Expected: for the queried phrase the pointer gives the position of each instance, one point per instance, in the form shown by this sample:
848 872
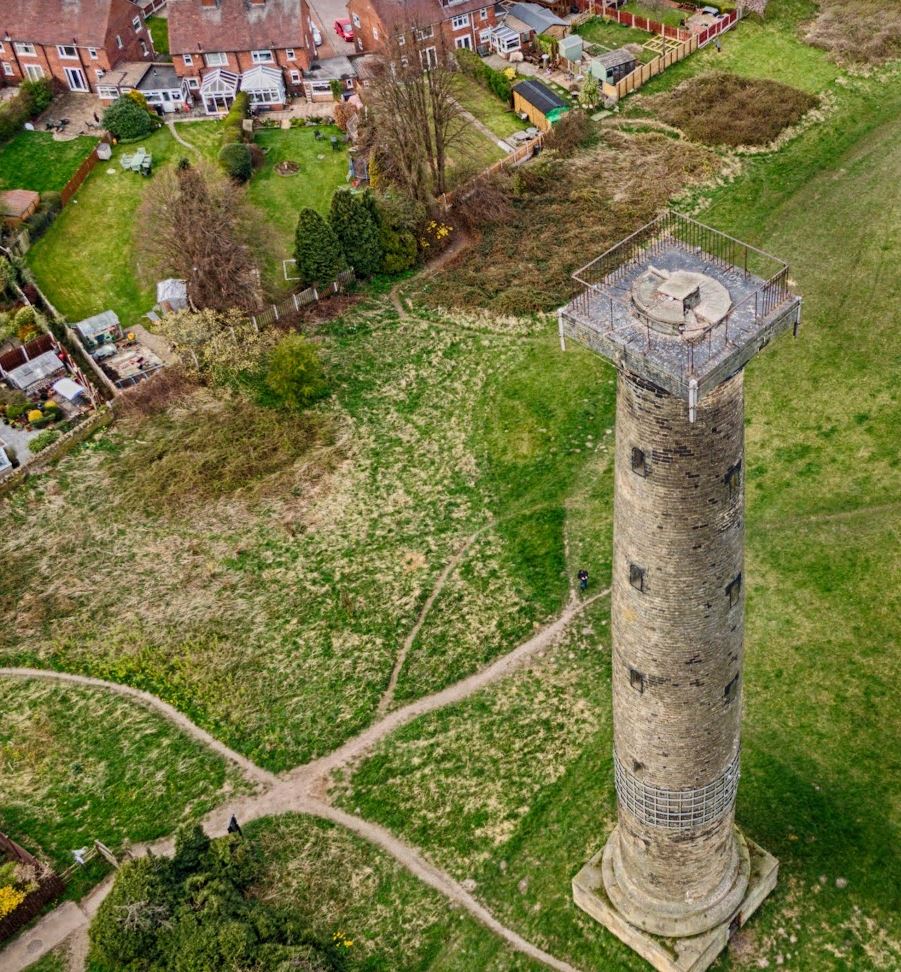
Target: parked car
344 29
317 35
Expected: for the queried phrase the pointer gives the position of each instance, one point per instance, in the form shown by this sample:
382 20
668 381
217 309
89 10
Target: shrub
233 124
40 92
30 100
574 131
42 219
7 274
336 88
236 161
257 155
317 251
474 67
354 220
15 410
44 440
400 222
724 109
295 372
126 119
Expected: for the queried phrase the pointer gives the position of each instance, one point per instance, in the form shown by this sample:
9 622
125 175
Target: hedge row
234 156
495 81
30 100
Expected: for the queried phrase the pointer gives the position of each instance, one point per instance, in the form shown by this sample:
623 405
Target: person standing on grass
583 580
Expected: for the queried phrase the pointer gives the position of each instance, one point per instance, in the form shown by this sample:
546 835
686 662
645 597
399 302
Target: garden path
301 790
174 130
505 147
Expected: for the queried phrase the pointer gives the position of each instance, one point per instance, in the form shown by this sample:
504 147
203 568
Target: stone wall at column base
694 954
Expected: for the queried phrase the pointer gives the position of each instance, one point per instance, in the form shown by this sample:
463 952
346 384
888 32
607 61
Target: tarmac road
325 13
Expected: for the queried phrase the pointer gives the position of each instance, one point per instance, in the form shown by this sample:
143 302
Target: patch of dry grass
863 32
724 109
565 215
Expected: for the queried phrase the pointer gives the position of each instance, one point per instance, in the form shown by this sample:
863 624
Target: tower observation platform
680 309
681 304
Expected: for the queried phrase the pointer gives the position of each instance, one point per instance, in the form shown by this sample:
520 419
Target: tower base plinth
694 954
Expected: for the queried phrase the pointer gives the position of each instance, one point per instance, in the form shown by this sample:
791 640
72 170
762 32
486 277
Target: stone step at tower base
694 954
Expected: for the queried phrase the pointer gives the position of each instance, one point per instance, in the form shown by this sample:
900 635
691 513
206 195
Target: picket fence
275 312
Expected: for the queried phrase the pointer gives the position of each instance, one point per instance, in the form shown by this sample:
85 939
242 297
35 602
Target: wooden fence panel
74 184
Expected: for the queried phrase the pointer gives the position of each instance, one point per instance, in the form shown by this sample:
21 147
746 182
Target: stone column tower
680 309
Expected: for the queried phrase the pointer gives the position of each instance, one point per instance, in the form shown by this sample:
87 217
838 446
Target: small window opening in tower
731 690
732 480
636 680
733 589
639 462
636 577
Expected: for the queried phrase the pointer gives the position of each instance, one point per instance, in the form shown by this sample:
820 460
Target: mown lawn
33 160
280 198
610 34
85 262
159 33
80 765
663 15
488 108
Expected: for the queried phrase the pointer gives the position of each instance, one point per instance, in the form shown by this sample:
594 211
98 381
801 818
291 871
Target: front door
76 79
168 107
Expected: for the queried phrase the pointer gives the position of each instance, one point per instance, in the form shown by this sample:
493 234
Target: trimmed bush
295 373
126 119
233 123
237 161
400 219
316 248
40 92
354 220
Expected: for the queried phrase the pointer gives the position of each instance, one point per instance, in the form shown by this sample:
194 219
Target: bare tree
197 225
414 120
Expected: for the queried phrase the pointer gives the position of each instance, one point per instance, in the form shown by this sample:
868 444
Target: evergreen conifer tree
354 220
317 250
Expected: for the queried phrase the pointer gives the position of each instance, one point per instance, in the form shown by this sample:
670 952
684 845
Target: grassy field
33 160
488 108
80 765
610 34
664 15
507 792
335 882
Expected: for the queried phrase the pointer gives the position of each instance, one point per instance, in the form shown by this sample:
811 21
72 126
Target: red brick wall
109 54
370 32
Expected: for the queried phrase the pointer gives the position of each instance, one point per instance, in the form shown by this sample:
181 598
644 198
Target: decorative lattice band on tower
680 309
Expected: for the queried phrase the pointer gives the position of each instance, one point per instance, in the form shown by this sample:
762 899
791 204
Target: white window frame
460 21
136 23
483 13
428 57
355 19
25 49
485 35
464 42
92 53
61 50
424 33
290 54
295 77
401 40
258 57
144 49
119 43
107 91
7 69
34 72
193 84
77 75
189 61
375 33
99 73
216 59
2 48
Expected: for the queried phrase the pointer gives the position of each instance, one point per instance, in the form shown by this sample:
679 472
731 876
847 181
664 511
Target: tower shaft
677 867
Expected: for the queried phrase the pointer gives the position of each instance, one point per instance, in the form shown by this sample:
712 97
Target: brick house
261 46
77 42
458 23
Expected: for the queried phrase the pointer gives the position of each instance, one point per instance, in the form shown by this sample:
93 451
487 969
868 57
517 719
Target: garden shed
539 103
171 295
16 205
265 85
100 329
616 65
218 90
